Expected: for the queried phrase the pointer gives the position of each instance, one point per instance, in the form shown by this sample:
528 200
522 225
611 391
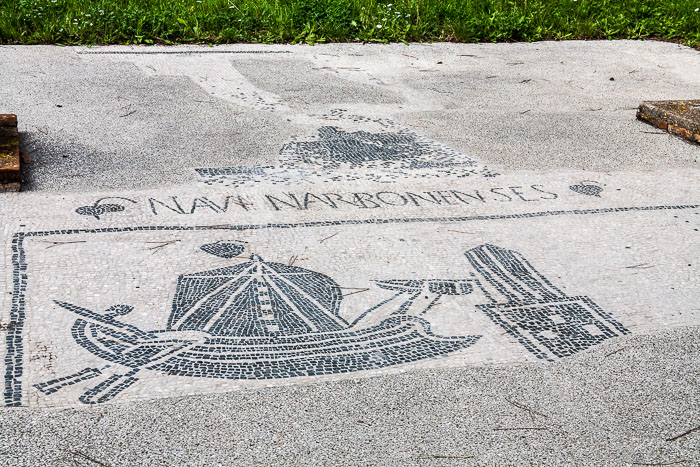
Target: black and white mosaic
247 318
541 317
352 147
98 208
588 188
267 320
258 320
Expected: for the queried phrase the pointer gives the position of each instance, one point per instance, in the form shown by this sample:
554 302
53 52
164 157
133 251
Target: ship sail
257 298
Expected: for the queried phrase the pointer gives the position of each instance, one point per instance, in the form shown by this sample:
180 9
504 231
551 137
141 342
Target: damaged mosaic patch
354 148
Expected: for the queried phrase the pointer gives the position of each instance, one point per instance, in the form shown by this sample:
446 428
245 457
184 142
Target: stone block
8 120
681 118
9 153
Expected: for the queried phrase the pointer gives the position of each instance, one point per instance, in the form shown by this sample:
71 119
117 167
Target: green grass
225 21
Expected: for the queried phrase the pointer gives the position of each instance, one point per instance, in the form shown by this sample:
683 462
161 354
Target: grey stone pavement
430 254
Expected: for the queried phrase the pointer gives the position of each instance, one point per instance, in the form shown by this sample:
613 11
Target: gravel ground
618 404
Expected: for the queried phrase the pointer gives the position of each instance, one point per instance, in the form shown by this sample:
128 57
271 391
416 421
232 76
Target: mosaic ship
262 320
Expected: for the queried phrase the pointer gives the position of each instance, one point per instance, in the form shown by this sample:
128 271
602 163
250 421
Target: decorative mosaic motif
333 148
257 320
354 148
587 188
224 248
99 209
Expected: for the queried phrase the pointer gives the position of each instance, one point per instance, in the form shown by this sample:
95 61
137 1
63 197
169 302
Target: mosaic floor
368 249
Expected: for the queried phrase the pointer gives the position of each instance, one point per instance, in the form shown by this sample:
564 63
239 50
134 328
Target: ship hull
395 341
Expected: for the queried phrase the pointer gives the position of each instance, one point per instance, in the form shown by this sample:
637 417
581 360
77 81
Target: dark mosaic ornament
14 356
334 147
587 188
224 248
266 320
257 298
98 209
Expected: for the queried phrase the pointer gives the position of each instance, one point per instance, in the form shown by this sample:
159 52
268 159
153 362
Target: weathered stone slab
681 118
9 153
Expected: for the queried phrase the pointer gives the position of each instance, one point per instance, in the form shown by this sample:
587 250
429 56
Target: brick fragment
7 132
9 153
8 120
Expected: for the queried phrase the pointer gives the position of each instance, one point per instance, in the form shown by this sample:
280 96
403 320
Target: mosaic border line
14 355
